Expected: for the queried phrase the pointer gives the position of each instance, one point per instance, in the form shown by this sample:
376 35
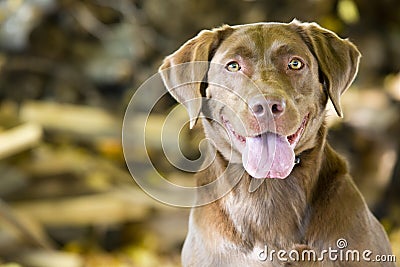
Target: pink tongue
268 156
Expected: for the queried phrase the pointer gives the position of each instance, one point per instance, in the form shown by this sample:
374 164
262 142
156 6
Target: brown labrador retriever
262 95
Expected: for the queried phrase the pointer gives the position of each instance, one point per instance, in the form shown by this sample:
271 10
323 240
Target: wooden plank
49 258
76 119
19 139
112 207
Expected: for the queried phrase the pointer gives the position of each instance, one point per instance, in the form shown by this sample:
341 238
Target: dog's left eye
295 64
233 66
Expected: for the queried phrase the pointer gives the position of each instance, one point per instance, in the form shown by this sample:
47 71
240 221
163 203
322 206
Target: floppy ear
337 58
183 81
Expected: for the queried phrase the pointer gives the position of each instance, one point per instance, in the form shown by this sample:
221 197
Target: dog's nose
263 106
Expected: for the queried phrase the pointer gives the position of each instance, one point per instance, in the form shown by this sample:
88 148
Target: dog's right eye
233 66
295 64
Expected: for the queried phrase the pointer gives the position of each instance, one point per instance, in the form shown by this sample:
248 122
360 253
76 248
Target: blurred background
67 71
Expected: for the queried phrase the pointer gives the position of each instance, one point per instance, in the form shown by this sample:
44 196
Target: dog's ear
184 71
337 58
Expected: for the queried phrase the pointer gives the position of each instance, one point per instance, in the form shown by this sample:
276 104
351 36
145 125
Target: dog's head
263 88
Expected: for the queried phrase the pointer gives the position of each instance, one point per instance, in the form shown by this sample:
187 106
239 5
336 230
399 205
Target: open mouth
293 139
267 155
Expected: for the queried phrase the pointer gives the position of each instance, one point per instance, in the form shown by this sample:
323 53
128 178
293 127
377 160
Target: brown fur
318 202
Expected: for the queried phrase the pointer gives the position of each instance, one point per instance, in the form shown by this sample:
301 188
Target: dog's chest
265 217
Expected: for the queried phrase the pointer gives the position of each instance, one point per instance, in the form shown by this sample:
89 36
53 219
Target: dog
261 91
